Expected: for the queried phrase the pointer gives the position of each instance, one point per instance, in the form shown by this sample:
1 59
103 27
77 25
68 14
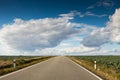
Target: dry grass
6 66
102 71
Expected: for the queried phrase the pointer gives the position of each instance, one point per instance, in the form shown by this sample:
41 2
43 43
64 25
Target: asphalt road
57 68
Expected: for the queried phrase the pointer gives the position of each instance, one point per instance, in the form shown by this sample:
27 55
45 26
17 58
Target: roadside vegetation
6 62
108 67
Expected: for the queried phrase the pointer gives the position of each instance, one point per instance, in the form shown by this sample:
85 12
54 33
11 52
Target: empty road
57 68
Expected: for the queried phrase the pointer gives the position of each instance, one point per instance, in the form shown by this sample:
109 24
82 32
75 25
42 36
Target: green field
107 61
107 66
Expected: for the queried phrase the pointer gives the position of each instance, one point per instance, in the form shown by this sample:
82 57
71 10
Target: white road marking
46 61
86 70
23 69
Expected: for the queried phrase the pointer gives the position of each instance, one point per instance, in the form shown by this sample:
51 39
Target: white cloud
80 49
65 50
76 38
96 38
65 45
77 13
104 35
103 3
103 51
31 35
72 13
95 15
41 35
36 34
114 26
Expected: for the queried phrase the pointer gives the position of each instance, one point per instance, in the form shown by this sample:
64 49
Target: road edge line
23 69
86 70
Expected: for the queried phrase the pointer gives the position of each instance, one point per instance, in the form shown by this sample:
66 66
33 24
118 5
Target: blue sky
87 19
34 9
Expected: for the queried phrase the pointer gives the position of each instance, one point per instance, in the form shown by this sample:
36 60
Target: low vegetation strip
6 62
107 67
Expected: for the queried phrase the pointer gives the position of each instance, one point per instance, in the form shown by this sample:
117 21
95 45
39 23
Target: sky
59 27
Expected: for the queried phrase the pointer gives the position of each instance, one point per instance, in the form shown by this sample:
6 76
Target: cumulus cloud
36 34
110 33
114 26
96 38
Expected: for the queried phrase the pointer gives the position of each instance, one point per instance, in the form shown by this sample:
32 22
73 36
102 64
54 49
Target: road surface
57 68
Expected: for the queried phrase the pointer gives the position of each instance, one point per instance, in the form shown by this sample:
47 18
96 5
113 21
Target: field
108 67
6 62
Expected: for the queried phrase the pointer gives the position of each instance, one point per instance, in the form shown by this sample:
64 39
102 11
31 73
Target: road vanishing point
56 68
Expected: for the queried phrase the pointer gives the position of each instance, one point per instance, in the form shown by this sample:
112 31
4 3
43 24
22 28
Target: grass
108 67
6 62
